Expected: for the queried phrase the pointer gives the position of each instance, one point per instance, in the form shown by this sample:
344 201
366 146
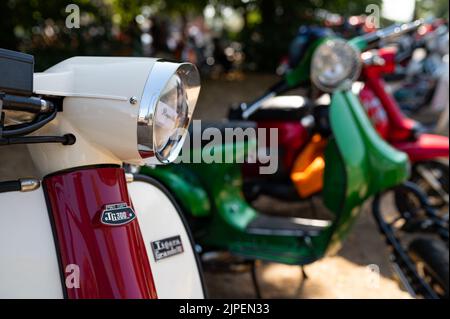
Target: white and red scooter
82 227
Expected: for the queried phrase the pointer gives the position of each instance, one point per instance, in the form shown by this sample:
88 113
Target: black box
16 73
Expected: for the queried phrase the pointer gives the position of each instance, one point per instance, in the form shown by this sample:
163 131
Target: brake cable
46 111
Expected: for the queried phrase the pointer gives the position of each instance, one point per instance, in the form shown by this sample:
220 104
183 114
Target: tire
432 260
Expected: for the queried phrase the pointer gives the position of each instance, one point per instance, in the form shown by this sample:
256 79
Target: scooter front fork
431 179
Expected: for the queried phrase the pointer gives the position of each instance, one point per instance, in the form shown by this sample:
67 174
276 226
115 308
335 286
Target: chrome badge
117 214
166 248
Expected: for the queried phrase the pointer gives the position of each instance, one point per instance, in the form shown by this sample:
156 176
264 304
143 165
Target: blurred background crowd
220 36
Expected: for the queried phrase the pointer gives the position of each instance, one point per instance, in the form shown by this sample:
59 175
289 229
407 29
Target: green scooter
358 165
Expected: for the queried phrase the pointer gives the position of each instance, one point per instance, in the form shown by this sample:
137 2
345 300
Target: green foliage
38 27
437 8
109 27
267 41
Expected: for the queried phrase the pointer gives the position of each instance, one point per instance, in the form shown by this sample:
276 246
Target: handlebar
279 88
26 104
45 112
392 32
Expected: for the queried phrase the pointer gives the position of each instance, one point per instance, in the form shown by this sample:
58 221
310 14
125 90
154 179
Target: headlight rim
157 81
349 79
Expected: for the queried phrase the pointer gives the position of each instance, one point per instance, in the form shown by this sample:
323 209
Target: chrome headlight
335 65
169 99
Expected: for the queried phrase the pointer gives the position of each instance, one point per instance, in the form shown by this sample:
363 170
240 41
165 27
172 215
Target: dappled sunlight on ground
333 277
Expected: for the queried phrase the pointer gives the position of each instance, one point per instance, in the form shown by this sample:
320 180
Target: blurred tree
436 8
271 24
38 27
109 26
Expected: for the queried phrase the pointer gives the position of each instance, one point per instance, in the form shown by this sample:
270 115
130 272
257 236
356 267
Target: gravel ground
345 275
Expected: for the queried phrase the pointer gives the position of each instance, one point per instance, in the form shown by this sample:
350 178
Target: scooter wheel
432 261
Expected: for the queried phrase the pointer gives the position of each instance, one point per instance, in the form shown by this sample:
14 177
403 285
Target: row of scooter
90 226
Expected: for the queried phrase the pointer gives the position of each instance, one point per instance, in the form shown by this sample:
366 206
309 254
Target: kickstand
255 280
313 207
304 274
302 280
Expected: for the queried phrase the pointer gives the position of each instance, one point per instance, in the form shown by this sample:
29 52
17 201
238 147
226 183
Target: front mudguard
359 163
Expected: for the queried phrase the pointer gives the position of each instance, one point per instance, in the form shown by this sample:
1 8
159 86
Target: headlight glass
166 112
335 65
171 115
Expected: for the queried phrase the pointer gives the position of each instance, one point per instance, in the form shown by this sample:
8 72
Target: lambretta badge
117 214
166 248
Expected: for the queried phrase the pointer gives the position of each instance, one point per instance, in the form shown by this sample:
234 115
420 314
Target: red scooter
424 150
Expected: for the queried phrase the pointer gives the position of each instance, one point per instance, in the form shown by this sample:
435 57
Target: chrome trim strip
83 95
29 184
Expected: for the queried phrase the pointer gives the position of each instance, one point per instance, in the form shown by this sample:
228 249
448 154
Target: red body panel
400 127
292 137
112 260
425 147
375 111
396 128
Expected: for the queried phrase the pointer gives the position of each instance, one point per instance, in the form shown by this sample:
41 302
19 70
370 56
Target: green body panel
359 163
359 42
300 74
190 194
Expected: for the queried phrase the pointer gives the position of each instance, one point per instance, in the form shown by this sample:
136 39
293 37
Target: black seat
282 226
283 108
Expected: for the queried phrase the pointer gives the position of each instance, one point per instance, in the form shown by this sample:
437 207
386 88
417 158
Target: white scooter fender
168 242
